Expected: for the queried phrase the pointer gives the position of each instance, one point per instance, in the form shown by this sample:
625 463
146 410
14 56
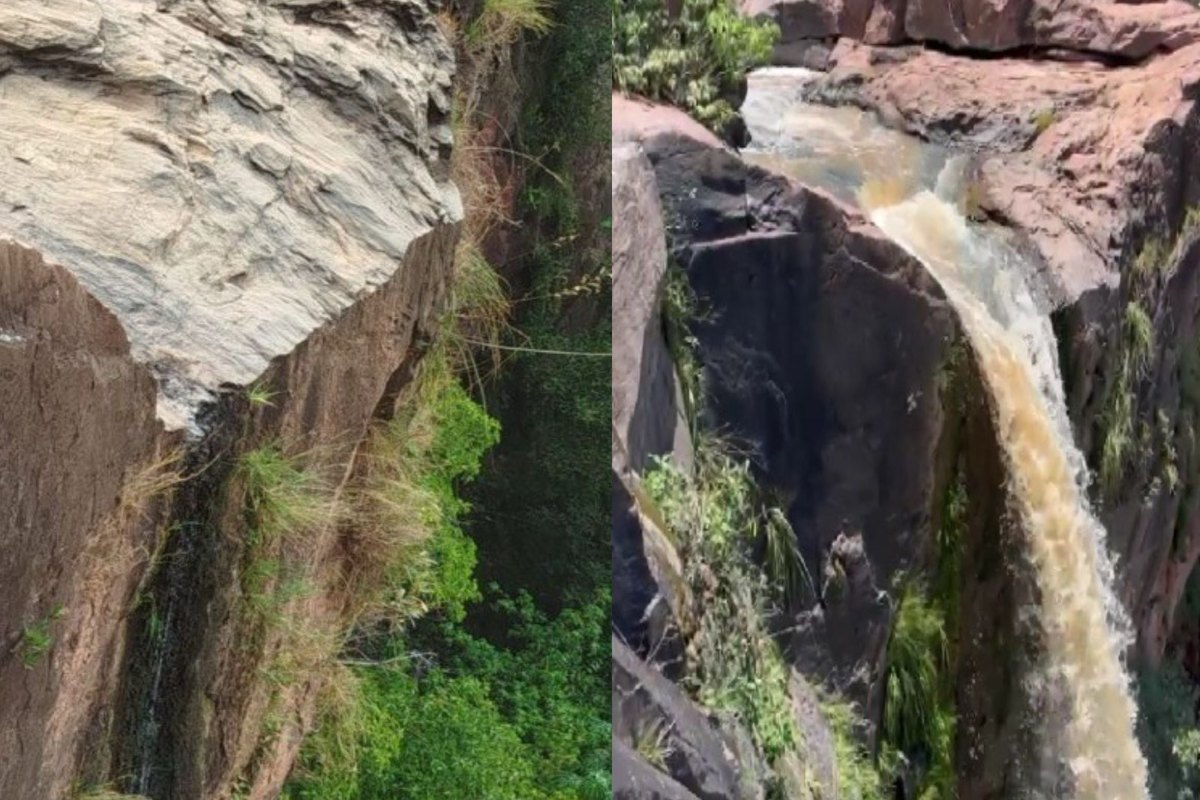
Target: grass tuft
651 741
783 562
1137 345
1153 258
154 479
36 638
260 396
502 21
282 499
1043 119
857 778
915 719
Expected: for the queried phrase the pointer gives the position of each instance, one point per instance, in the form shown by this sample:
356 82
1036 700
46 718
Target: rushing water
912 192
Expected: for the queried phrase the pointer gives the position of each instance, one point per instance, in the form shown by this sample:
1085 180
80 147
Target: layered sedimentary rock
197 196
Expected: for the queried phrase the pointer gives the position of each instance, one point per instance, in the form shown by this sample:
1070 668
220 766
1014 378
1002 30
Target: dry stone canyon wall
197 196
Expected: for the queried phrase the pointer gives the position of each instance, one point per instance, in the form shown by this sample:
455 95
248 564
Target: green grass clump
918 712
694 60
1153 258
260 396
281 498
36 638
917 654
650 740
783 562
679 310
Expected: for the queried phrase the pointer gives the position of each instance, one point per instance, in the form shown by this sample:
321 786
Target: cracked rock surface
224 176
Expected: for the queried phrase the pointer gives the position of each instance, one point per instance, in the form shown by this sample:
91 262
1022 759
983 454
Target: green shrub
464 432
527 721
695 61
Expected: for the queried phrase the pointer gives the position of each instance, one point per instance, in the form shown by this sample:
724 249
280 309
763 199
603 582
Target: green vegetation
260 396
501 22
650 740
782 561
679 309
545 488
918 711
857 778
1136 346
695 60
733 664
1153 258
36 638
443 690
486 722
1043 119
282 499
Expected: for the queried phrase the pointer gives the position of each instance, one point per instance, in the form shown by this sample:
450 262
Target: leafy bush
524 722
696 60
464 432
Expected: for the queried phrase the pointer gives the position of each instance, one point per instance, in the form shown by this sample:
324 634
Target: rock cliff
198 196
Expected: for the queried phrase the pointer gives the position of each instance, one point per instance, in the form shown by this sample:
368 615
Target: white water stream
911 192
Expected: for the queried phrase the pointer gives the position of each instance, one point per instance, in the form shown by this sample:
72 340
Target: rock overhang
225 177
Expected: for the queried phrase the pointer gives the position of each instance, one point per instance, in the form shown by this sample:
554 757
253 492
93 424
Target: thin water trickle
911 192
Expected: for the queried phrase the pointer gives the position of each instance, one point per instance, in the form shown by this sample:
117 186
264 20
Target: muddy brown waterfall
913 193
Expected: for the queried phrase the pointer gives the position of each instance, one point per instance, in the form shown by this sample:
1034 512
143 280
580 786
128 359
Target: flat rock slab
225 176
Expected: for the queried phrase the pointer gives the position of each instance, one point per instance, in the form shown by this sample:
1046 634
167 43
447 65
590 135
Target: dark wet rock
821 342
651 710
634 778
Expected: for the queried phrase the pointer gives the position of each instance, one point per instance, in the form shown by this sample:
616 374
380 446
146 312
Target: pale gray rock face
225 176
